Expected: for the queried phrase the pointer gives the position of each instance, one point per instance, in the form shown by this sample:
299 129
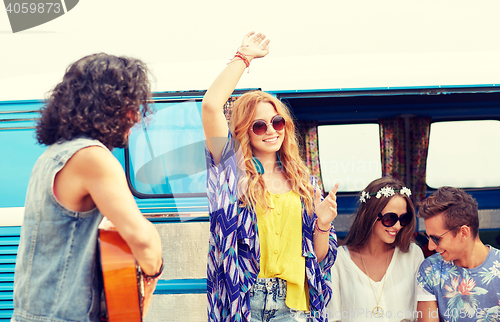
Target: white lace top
353 298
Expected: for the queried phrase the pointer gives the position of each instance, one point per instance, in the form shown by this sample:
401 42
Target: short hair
458 208
366 217
100 97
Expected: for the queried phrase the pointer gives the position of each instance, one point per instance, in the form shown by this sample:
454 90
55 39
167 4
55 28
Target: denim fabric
55 275
267 302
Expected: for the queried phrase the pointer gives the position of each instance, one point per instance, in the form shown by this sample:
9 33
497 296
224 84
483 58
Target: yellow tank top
280 235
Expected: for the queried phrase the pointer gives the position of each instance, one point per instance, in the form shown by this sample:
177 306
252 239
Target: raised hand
326 210
255 45
214 122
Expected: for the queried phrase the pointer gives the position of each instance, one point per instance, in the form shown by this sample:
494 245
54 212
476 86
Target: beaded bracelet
321 230
154 277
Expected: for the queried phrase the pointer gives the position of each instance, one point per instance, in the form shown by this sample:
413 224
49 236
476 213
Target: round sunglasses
259 127
390 219
436 239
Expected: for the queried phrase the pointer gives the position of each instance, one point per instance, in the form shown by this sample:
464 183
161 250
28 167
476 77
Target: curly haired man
76 182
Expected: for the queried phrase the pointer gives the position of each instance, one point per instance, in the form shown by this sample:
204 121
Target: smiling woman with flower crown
374 275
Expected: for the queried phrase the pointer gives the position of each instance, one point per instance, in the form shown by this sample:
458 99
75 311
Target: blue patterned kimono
234 250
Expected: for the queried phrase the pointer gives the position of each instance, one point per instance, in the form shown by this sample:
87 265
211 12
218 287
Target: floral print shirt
463 294
234 250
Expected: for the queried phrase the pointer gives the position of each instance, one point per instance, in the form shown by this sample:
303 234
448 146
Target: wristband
242 57
321 230
156 276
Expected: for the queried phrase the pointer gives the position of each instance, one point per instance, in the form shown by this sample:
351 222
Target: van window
166 151
464 154
350 155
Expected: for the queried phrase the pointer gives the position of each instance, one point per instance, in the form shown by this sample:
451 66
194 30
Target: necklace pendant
378 312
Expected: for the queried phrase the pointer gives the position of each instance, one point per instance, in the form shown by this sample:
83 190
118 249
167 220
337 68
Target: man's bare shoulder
87 169
93 152
94 158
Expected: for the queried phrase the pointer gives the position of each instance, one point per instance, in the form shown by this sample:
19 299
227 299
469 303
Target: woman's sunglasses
259 127
390 219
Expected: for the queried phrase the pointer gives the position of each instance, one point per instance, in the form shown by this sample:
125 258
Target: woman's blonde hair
252 189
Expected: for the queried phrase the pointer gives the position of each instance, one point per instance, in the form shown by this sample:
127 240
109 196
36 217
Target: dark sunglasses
390 219
259 127
436 239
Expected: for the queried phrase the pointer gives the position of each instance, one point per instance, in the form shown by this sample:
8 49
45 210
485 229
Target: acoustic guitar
123 281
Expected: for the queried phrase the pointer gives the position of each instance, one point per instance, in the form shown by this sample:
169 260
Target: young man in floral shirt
461 282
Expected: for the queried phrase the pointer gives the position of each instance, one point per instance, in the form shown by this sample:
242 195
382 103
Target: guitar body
122 279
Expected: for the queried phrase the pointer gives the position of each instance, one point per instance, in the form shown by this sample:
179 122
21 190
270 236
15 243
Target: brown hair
458 209
252 186
94 99
366 217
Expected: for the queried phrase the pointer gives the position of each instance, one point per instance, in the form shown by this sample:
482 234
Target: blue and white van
166 171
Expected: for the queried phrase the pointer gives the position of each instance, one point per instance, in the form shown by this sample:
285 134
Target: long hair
252 188
100 97
366 217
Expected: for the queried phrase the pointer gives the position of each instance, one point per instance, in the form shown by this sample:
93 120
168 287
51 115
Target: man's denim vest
56 277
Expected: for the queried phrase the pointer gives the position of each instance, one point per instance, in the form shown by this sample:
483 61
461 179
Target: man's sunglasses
390 219
436 239
259 127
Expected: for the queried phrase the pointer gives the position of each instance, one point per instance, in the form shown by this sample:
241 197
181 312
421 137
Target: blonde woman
375 273
272 242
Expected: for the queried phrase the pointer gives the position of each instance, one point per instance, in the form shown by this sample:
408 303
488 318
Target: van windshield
166 150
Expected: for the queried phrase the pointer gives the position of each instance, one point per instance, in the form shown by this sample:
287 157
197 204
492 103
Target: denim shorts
267 302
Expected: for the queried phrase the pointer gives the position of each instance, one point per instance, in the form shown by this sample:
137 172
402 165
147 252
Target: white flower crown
385 191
